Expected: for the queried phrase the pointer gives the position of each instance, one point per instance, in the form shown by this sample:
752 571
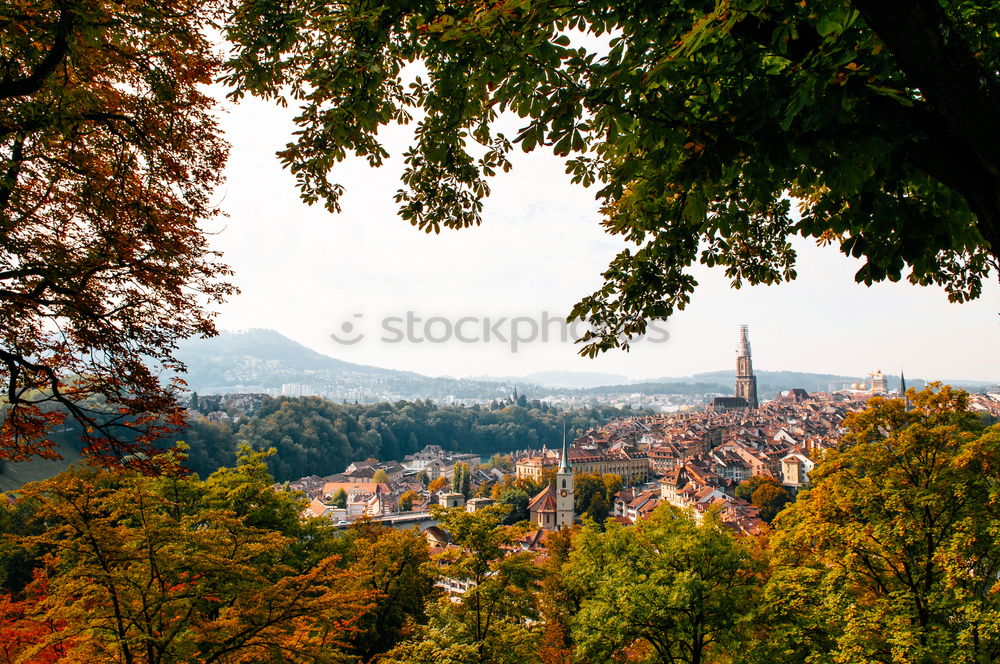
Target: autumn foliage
27 636
889 556
136 569
109 158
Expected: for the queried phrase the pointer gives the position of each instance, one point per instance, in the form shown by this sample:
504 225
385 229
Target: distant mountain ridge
265 360
260 360
209 359
575 379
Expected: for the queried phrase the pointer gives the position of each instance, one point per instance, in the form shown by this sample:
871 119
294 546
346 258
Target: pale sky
304 272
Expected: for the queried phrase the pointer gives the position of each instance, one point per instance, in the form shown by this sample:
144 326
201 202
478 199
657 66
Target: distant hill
575 379
264 360
261 352
770 383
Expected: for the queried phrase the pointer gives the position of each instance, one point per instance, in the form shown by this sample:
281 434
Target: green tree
17 562
392 565
598 508
501 461
770 498
556 603
516 501
593 494
694 120
460 480
746 488
316 436
612 484
339 499
668 590
765 493
893 552
493 621
247 491
380 477
585 487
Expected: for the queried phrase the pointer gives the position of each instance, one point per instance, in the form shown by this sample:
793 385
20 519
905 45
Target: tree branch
929 49
32 83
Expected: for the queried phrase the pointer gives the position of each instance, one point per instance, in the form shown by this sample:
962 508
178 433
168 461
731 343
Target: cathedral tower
564 488
746 382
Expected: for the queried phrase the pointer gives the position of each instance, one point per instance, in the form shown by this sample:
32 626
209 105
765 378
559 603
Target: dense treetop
109 158
316 436
695 121
890 556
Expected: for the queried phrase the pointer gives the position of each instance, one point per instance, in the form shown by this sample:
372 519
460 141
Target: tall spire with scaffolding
746 382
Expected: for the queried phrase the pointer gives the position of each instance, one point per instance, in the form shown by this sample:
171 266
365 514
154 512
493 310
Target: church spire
746 382
562 490
743 349
564 461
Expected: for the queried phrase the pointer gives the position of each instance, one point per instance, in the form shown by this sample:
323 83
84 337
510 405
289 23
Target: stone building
746 382
552 508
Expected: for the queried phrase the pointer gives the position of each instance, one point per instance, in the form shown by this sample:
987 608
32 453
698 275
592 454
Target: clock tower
564 489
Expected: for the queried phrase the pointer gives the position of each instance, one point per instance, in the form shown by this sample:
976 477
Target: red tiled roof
545 501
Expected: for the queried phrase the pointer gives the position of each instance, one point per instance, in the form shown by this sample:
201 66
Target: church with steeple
552 508
746 382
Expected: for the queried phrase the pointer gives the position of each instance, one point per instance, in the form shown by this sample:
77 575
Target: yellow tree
406 501
893 555
437 484
147 571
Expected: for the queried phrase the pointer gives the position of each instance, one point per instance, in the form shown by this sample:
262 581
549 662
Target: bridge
400 520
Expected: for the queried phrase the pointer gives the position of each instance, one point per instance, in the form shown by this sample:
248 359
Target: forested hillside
316 436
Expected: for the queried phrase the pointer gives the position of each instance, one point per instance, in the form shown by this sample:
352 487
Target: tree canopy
679 589
313 435
134 569
890 556
702 124
493 620
109 157
893 554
